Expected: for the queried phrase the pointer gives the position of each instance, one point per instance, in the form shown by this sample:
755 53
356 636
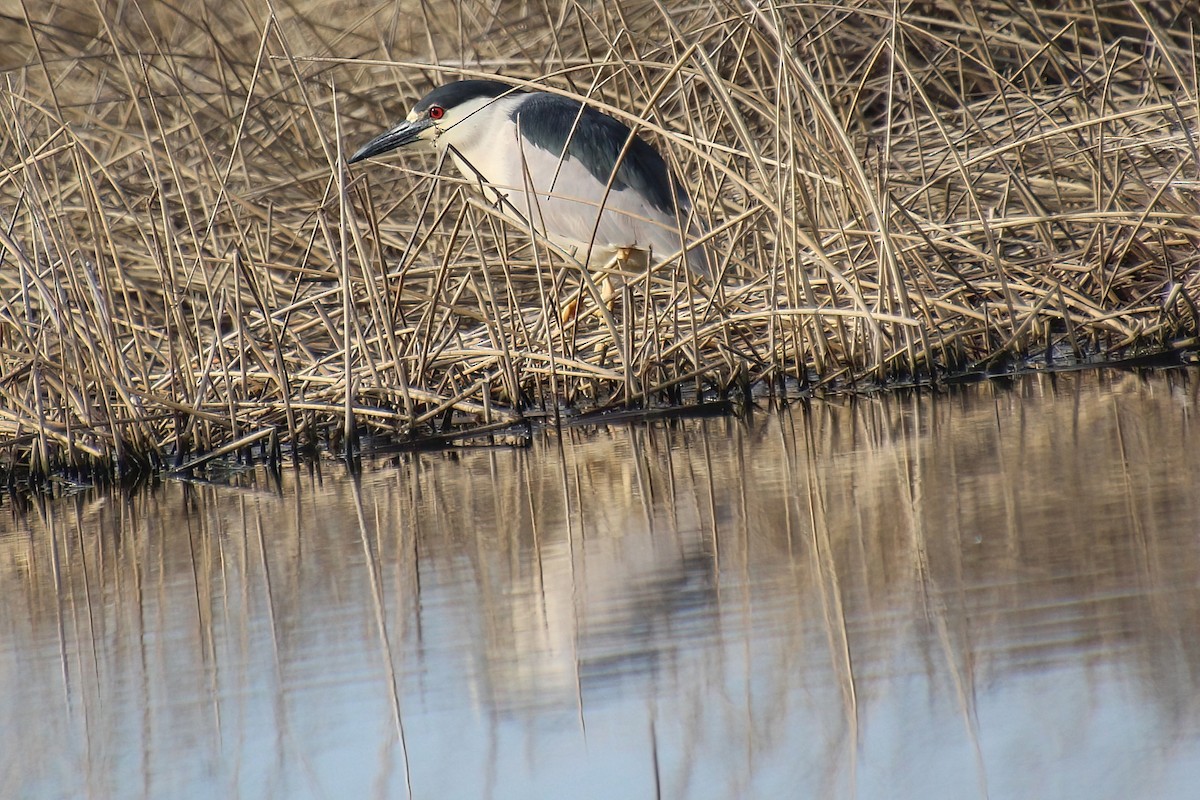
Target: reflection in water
991 593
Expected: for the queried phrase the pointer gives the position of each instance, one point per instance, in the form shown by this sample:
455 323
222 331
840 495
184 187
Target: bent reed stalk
895 193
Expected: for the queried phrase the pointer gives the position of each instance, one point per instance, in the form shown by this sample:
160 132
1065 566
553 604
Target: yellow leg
610 280
570 309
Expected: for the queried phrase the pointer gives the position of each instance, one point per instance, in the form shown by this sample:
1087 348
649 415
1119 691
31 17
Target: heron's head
443 117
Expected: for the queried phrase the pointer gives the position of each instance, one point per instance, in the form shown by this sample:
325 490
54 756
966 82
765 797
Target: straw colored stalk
894 193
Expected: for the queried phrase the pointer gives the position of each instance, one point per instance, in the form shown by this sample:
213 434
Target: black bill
404 133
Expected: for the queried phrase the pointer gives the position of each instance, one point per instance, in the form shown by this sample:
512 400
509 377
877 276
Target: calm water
989 594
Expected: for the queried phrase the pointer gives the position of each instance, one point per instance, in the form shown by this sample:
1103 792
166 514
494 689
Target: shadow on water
986 594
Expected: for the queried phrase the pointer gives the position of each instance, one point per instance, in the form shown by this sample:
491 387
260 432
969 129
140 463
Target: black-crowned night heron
581 178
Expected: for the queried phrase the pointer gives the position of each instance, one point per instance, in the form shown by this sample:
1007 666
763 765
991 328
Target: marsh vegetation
896 193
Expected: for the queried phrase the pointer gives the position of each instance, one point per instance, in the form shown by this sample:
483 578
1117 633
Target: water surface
991 593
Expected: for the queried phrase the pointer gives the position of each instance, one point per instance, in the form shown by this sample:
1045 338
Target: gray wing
641 207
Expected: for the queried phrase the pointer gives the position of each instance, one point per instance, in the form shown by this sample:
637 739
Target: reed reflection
895 595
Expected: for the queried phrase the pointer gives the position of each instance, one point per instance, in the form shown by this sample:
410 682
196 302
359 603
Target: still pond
991 592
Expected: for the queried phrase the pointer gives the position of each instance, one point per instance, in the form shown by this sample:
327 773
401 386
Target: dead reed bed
895 192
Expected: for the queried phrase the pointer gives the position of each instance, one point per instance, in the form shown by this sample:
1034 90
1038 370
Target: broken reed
183 265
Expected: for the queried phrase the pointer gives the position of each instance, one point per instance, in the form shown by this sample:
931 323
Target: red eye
436 112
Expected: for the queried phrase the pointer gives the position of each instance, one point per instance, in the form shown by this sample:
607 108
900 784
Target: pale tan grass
183 265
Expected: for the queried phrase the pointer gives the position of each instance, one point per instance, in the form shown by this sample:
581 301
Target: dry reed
896 192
